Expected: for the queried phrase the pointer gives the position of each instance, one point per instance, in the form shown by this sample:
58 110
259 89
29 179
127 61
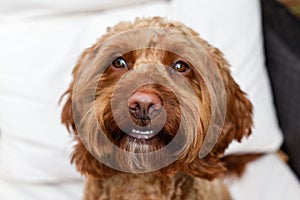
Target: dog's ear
237 124
67 111
238 118
85 162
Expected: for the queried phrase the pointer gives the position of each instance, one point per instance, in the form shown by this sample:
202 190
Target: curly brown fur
151 187
189 177
236 164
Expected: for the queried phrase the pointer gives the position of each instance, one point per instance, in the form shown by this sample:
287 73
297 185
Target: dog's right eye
119 63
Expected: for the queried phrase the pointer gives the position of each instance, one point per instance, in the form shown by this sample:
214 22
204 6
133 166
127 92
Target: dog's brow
147 57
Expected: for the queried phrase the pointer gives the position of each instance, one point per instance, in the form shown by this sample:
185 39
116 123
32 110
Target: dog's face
142 108
139 112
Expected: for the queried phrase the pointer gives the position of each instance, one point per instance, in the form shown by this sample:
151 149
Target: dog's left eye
181 67
119 63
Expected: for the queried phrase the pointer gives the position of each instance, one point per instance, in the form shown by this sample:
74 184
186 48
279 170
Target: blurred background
292 5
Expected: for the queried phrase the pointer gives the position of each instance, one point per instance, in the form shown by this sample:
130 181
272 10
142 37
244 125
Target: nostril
155 107
154 110
135 106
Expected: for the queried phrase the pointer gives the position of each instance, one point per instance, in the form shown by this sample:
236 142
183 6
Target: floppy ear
67 111
238 122
238 119
85 162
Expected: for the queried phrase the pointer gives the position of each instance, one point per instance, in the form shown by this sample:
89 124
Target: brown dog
153 108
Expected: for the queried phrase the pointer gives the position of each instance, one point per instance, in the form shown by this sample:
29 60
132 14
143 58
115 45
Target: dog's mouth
143 141
142 134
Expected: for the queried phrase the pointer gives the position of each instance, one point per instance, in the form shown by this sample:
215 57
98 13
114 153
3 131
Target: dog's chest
151 187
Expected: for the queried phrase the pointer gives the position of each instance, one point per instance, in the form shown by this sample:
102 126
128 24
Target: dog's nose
144 106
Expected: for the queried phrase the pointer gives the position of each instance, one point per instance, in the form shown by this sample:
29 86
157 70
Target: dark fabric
282 49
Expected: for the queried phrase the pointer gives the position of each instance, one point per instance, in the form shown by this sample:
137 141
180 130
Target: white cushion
38 54
267 178
63 6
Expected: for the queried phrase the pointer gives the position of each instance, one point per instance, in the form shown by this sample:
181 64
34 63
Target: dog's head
151 95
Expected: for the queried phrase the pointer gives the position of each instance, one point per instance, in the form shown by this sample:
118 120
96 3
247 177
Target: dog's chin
143 143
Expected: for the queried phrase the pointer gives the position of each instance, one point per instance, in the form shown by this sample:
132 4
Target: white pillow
37 57
63 6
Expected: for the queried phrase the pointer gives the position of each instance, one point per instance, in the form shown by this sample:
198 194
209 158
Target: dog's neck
149 187
136 186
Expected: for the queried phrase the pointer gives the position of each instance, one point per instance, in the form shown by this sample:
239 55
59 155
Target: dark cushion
282 49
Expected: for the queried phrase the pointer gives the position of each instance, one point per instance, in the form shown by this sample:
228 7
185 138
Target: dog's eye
119 63
180 67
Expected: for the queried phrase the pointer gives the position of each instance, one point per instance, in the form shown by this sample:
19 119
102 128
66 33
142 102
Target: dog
152 107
